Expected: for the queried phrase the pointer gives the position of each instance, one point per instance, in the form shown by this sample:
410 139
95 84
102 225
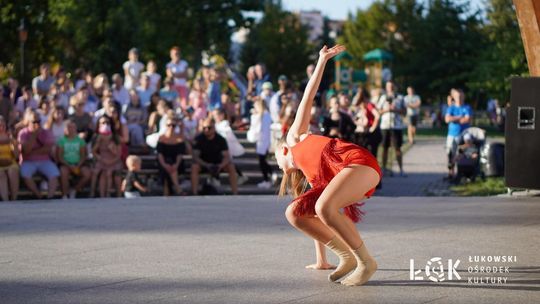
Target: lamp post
23 35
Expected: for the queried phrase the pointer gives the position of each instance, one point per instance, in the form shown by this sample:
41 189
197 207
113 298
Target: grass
491 132
491 186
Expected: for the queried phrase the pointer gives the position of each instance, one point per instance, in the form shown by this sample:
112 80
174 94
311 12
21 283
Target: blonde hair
293 182
260 105
132 160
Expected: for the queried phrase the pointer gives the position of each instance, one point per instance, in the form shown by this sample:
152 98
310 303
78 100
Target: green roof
343 56
377 55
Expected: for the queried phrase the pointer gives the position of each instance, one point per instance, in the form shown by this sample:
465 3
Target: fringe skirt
336 155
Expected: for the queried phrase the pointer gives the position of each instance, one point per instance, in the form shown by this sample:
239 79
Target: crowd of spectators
77 131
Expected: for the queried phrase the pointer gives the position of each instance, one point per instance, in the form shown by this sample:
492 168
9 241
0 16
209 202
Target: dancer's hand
323 266
327 53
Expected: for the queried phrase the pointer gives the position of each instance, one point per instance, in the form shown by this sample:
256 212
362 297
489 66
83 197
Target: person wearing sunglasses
35 146
171 147
211 154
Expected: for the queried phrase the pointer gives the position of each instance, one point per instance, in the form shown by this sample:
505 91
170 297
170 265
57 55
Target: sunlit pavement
230 249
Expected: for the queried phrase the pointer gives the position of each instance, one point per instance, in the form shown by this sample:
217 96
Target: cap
282 77
267 85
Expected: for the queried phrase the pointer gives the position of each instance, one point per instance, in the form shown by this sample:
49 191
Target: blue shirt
168 95
454 127
214 95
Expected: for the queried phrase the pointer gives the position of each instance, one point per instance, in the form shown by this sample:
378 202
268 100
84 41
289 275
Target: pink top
43 138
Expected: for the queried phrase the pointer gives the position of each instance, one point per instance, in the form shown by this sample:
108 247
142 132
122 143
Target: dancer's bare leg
310 225
322 262
347 187
321 233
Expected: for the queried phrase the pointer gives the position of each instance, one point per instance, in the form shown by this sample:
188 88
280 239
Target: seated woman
106 150
170 147
9 169
71 156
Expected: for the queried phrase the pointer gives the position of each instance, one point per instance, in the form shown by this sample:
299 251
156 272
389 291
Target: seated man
211 154
36 144
71 155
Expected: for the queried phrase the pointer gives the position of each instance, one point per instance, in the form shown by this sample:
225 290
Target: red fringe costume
320 158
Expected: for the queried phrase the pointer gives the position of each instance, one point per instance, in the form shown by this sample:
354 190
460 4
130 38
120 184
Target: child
72 159
132 185
466 159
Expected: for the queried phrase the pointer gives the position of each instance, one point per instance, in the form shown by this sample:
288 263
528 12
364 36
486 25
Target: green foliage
440 44
491 186
503 56
97 34
280 41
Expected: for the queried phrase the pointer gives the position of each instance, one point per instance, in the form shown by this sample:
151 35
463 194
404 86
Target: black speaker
522 132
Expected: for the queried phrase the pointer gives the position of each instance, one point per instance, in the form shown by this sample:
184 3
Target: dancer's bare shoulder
294 139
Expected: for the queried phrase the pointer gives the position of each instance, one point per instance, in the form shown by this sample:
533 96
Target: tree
447 47
97 34
434 47
280 41
503 55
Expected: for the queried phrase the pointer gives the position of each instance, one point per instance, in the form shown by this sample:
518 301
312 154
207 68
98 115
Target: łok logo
435 270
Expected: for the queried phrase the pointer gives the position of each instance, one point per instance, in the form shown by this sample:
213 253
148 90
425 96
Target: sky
338 9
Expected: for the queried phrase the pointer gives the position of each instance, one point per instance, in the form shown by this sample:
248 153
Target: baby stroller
470 143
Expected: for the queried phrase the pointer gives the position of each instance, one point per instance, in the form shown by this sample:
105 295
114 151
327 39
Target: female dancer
340 175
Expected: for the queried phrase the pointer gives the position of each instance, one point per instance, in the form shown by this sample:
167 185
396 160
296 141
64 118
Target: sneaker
274 178
242 179
264 185
402 174
43 186
216 182
73 194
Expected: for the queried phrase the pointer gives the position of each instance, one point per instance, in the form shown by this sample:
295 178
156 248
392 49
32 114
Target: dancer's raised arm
303 114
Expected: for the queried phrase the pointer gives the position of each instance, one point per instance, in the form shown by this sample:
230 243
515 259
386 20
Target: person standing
42 83
132 69
177 69
259 133
392 107
155 78
458 117
412 102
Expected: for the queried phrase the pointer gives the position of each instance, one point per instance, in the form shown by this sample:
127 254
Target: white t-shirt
58 130
391 120
154 80
274 107
134 71
410 100
179 67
